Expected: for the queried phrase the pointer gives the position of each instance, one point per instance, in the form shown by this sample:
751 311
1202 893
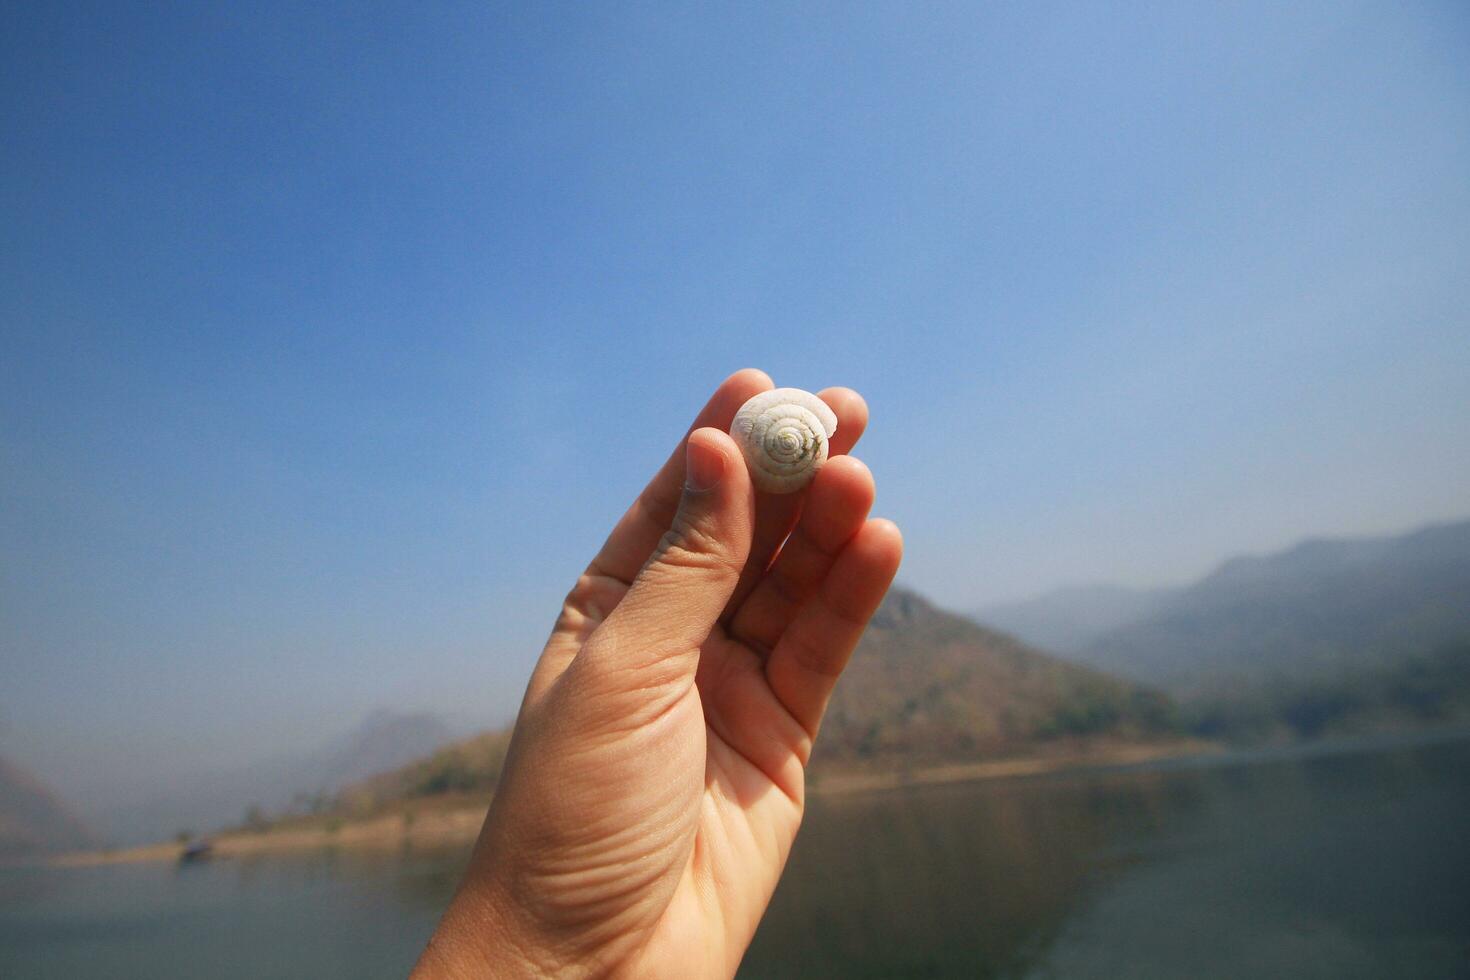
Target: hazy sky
336 336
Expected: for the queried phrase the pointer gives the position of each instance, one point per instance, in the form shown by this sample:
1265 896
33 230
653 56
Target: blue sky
335 338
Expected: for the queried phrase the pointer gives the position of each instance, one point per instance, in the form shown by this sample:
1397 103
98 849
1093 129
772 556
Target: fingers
836 507
638 532
806 662
602 586
852 418
653 636
777 514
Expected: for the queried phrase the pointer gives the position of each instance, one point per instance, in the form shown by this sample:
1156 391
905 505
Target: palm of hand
655 784
681 836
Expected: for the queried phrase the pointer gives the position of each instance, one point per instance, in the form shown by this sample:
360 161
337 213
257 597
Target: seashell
783 435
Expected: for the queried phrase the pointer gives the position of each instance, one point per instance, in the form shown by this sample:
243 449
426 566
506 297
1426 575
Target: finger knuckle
686 545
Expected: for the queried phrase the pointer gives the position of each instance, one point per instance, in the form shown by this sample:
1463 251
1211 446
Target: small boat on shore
199 850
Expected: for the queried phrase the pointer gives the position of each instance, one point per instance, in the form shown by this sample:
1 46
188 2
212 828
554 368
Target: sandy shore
446 822
430 826
1100 757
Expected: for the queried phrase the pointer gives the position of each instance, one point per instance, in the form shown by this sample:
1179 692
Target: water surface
1351 863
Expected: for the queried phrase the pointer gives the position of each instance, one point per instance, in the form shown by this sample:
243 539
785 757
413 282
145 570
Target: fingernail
703 467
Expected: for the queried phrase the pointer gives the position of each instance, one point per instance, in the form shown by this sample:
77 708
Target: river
1349 861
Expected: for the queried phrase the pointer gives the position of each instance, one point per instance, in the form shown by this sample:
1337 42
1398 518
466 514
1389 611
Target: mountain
384 740
1068 619
1337 632
1418 690
204 801
470 765
923 686
32 818
1320 606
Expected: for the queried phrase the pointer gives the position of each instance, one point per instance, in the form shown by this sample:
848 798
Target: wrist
480 936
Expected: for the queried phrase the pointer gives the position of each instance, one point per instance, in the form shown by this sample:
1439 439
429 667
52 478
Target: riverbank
446 821
432 823
1082 758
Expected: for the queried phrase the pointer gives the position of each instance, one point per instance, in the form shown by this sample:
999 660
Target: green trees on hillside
1431 689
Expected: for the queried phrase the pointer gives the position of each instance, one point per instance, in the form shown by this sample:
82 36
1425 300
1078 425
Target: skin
655 780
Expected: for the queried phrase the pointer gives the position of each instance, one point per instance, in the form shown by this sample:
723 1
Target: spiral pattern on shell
783 435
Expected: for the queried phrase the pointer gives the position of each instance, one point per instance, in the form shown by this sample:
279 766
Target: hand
654 783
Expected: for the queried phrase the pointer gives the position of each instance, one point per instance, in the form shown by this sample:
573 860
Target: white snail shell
783 435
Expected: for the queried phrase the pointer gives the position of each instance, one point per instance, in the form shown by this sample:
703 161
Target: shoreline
1091 759
457 821
429 826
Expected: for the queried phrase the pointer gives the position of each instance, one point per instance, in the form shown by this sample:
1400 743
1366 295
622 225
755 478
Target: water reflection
1337 867
1350 865
419 878
967 880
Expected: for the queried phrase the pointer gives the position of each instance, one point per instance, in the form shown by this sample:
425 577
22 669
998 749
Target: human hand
655 779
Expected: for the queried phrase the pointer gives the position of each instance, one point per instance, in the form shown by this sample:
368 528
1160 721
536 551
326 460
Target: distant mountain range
1330 634
1068 619
1326 637
923 686
383 740
203 802
32 817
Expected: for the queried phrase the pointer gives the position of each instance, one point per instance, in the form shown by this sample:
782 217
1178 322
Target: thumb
669 610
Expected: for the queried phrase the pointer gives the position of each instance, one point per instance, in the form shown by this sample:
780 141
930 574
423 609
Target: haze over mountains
1329 631
924 686
33 818
1066 620
1328 636
201 802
